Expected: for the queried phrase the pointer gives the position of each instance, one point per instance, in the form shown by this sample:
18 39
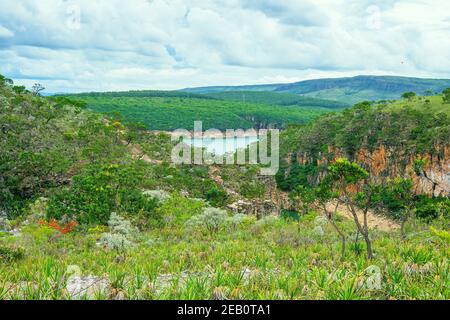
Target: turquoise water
220 146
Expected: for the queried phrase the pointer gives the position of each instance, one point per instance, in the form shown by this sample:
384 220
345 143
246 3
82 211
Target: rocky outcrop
431 177
258 208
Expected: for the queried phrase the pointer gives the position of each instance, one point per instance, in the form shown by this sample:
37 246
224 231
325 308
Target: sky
109 45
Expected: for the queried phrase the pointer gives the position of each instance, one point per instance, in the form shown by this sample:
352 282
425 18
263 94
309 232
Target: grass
276 260
432 104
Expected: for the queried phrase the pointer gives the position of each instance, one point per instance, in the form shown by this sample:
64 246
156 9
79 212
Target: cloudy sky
84 45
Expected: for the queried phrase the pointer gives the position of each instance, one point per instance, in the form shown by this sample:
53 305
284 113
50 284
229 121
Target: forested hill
406 138
143 94
169 110
347 90
277 98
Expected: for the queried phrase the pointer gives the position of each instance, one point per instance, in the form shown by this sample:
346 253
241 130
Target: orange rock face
433 179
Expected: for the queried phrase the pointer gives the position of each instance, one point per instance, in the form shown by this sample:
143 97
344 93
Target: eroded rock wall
432 179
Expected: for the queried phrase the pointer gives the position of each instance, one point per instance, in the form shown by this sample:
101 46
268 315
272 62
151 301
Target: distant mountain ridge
347 90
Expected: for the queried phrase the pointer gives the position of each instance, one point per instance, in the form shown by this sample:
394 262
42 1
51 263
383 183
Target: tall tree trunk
342 235
364 230
366 236
330 216
369 246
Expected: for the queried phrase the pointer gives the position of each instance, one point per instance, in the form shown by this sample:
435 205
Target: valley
91 206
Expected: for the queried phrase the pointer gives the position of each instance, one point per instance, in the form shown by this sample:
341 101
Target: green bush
252 190
432 208
121 235
177 209
8 254
216 197
210 221
100 190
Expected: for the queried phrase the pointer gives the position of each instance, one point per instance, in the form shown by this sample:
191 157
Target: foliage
412 130
100 189
275 98
63 229
210 221
299 174
42 140
170 113
240 220
442 234
216 197
280 261
121 235
160 195
446 95
302 198
5 224
11 254
398 198
177 209
409 95
429 209
343 175
346 173
252 190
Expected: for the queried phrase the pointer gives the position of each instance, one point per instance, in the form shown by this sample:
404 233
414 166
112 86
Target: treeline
279 99
145 94
170 113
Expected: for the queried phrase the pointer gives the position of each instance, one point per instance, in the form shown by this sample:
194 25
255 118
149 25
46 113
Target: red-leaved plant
63 229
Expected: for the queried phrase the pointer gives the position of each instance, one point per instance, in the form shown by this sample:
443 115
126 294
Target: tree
446 95
302 197
409 95
324 195
319 198
133 132
398 197
19 89
345 175
37 89
5 81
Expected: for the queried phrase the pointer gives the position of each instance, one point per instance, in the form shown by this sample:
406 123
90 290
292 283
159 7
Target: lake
221 145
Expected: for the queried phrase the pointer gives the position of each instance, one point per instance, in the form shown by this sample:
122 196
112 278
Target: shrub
429 209
240 220
63 229
11 254
409 95
101 189
265 224
160 195
38 209
210 221
5 224
177 209
216 197
446 95
121 235
252 190
290 215
441 234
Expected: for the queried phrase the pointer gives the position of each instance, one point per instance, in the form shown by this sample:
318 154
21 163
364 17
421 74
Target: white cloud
162 44
5 33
